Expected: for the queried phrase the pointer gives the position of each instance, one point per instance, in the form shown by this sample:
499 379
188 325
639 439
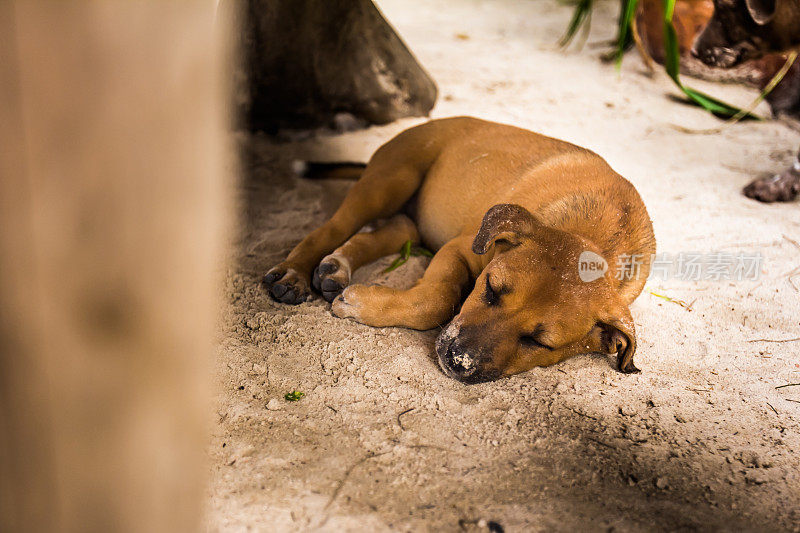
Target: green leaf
710 103
293 396
419 250
672 60
582 15
672 64
396 263
624 33
405 251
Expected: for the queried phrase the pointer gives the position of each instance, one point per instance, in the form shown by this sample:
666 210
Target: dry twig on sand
399 422
775 340
347 473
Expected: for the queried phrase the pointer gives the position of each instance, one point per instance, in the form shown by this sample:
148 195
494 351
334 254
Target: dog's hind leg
391 178
387 184
431 302
334 272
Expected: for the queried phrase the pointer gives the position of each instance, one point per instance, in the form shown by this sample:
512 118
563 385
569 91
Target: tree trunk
307 60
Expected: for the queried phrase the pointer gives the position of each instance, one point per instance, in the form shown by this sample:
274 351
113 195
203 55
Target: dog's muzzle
458 360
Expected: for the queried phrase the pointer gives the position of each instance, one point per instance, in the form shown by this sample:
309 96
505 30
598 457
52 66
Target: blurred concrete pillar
112 210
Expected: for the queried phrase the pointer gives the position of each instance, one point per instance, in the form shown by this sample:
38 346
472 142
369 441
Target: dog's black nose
462 363
463 359
457 362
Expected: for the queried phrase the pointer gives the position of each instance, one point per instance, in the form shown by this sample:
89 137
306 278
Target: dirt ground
702 439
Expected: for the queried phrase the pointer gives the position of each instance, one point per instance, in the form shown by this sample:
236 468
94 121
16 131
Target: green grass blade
419 250
580 16
718 107
672 59
672 63
405 251
396 263
624 35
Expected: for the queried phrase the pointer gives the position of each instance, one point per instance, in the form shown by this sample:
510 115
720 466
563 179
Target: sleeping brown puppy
517 220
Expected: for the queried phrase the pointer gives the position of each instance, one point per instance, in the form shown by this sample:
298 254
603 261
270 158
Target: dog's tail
328 171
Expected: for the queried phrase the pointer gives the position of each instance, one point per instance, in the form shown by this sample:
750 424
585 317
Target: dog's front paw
779 188
347 304
331 276
286 285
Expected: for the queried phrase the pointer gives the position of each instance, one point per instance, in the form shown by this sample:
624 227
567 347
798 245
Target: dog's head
531 306
745 29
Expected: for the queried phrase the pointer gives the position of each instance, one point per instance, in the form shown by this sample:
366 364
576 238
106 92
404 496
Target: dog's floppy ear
506 223
761 11
617 335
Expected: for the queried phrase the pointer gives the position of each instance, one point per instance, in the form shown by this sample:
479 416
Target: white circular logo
591 266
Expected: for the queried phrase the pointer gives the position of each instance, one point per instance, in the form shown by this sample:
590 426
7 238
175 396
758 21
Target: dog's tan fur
506 210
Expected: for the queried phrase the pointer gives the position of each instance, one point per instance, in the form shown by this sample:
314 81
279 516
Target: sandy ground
382 441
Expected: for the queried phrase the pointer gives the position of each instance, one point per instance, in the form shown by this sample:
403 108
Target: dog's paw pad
331 277
779 188
285 285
